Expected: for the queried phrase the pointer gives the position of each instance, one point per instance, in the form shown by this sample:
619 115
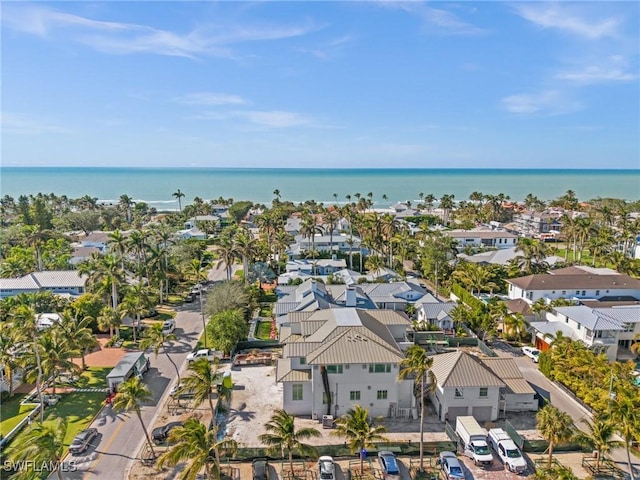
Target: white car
168 327
532 353
210 355
326 468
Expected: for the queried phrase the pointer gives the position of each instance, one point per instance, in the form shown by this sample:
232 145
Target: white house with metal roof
464 386
482 238
61 282
337 358
517 394
601 329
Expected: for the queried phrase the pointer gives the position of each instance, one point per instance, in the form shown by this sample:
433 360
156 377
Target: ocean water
156 185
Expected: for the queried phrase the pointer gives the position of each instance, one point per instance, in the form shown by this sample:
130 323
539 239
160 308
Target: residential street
567 404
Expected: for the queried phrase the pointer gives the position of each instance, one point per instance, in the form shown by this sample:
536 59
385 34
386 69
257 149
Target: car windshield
390 462
455 470
513 454
482 450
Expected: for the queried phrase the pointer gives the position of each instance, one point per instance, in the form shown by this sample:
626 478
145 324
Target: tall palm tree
179 196
42 443
554 426
79 335
417 364
131 394
109 319
284 436
202 382
25 315
245 245
625 414
156 339
599 436
8 360
136 301
193 443
359 430
56 353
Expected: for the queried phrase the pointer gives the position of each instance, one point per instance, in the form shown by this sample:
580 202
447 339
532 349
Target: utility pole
204 325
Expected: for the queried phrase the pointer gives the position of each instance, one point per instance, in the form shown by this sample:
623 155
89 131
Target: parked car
160 434
326 468
260 469
168 327
180 392
450 465
83 440
207 353
189 298
532 353
389 465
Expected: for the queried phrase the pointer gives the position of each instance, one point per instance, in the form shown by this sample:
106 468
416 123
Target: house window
577 292
334 368
296 391
564 292
354 395
459 393
484 391
380 368
584 293
381 395
303 360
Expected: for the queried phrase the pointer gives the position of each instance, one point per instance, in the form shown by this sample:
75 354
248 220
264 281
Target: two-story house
575 283
464 386
482 238
334 359
604 330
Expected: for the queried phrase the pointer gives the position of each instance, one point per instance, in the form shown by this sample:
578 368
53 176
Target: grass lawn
94 377
13 413
263 330
78 408
266 311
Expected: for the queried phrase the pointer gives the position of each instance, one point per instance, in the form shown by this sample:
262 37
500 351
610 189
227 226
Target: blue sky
321 84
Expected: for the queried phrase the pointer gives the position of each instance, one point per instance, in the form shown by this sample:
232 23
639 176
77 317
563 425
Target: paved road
567 404
120 435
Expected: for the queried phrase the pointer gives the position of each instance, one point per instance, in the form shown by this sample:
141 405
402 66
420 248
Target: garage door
482 414
455 412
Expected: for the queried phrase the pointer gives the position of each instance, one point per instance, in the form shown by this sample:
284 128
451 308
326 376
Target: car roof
447 454
386 453
325 458
85 433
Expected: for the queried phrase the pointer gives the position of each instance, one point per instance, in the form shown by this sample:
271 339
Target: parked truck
507 450
474 440
133 363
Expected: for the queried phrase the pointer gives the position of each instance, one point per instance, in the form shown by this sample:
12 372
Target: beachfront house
479 238
336 358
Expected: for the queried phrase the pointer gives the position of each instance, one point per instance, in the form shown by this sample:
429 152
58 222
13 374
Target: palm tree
156 339
8 360
41 444
56 353
599 436
193 443
136 301
359 430
284 436
245 245
178 195
202 382
109 319
554 426
129 397
417 364
625 415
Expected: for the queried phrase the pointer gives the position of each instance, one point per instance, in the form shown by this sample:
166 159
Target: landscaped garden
263 330
13 413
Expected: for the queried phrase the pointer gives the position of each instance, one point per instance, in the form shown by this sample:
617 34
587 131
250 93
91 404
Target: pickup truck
507 450
207 353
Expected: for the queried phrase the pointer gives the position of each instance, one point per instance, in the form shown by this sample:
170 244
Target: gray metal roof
507 370
550 328
284 372
433 310
125 364
593 319
459 369
576 282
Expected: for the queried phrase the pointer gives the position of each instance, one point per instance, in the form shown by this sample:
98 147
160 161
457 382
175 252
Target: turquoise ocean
156 185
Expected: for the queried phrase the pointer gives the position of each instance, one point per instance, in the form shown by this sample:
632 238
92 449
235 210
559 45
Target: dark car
260 469
389 465
160 434
83 440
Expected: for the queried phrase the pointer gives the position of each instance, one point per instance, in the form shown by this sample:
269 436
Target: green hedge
468 299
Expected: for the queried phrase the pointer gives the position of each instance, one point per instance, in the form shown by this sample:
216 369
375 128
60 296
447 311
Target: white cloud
126 38
21 124
435 18
548 102
275 118
613 72
211 98
561 17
